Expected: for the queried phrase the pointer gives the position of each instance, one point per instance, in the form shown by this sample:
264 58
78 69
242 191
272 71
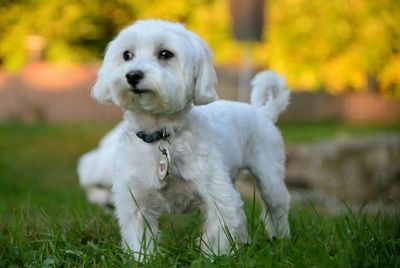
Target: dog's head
156 66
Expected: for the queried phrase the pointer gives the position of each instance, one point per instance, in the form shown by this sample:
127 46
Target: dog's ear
101 90
205 79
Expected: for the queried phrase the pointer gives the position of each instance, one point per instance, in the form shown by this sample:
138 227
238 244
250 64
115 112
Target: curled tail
269 94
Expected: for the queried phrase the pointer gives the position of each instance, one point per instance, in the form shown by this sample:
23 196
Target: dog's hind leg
225 221
269 173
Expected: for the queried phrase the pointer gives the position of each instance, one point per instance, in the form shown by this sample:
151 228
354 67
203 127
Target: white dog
95 169
179 147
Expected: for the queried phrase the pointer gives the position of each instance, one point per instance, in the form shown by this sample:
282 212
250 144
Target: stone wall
52 93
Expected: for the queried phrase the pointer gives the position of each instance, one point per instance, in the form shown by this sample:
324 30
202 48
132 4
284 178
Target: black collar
150 137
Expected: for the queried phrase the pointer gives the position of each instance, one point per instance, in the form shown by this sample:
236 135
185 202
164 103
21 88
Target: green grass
306 132
47 222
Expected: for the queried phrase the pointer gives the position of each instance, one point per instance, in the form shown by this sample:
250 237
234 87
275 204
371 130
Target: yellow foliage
316 44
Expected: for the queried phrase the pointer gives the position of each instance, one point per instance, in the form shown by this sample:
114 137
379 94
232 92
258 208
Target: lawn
46 221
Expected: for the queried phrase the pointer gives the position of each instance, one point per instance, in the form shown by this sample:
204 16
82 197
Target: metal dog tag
163 164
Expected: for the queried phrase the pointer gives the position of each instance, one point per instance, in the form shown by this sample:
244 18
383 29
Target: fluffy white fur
210 142
95 169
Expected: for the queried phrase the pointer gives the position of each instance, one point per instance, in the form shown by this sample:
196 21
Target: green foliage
319 44
75 31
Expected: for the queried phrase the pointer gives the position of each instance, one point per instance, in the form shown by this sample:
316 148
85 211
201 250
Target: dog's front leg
137 221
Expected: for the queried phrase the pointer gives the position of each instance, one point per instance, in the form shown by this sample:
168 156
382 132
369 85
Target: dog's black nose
133 77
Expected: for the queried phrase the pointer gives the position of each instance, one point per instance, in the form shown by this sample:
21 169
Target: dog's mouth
140 91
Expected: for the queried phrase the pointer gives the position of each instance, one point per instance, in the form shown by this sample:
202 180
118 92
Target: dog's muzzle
133 78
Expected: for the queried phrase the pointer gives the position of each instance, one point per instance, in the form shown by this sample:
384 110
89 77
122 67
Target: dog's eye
127 55
165 55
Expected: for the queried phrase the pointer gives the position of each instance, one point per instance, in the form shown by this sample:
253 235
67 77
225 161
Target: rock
356 171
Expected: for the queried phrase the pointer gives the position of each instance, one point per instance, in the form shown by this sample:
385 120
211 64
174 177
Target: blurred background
340 58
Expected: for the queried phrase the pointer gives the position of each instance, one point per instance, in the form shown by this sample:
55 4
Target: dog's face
156 67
